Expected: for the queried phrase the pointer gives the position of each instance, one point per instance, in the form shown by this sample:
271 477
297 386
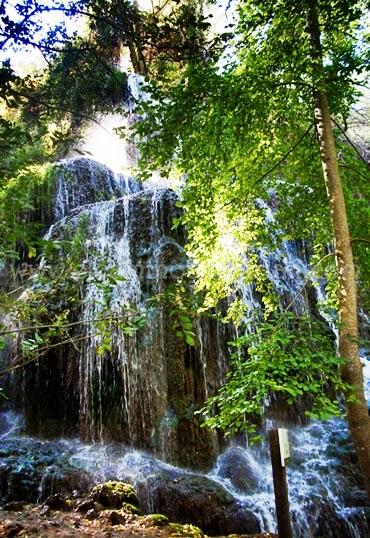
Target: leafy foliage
241 130
44 314
183 306
289 356
233 114
244 131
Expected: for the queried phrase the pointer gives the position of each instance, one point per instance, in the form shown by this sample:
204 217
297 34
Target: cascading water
142 393
144 389
324 490
324 495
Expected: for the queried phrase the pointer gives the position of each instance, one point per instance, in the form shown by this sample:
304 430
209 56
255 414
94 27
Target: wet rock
325 520
113 494
13 506
31 471
236 465
80 181
198 500
91 514
64 479
45 511
356 497
58 502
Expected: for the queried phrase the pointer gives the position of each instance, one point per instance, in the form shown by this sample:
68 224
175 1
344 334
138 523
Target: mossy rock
127 507
156 520
114 494
190 531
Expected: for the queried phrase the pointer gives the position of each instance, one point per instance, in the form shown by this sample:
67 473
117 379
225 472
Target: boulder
200 501
114 494
131 509
156 520
239 467
58 502
325 520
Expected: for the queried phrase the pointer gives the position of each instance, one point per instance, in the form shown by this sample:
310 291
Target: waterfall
132 407
144 390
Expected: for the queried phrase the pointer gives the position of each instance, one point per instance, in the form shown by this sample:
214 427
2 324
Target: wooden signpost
279 450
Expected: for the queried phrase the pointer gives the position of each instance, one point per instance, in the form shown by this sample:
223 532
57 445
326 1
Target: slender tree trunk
136 55
136 60
357 414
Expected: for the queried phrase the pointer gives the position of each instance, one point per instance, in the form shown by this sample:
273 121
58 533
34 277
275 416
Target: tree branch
351 143
343 165
299 141
360 240
73 324
276 165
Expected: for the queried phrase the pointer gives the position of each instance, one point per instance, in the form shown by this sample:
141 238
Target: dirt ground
34 521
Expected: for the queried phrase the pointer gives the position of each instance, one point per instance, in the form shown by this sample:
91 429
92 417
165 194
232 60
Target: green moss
190 531
157 520
114 494
127 507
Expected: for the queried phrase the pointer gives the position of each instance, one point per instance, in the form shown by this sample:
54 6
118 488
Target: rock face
81 181
145 390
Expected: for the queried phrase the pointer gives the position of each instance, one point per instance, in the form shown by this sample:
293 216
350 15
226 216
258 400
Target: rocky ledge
109 509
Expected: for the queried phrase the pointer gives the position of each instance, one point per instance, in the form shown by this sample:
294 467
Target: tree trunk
357 414
137 60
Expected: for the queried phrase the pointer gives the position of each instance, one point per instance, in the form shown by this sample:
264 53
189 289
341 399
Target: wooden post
280 487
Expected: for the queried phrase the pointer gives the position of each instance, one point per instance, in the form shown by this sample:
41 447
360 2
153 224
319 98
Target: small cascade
322 480
288 269
11 424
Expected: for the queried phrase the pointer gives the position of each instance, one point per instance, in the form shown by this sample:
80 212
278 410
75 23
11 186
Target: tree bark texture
352 371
